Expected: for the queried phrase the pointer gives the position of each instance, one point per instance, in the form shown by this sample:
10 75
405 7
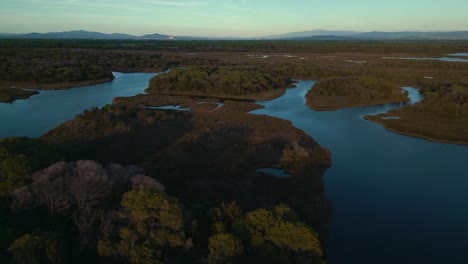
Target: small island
345 92
246 82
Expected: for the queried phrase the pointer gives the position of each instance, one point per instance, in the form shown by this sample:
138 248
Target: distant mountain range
82 34
315 35
374 35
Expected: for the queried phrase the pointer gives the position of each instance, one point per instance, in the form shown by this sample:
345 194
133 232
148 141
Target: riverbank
9 94
327 104
53 86
441 130
442 115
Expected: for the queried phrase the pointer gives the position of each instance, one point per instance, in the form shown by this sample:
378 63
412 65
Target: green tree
223 248
279 231
32 249
152 229
19 157
15 171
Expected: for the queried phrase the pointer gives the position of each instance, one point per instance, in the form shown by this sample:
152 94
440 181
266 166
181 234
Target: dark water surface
34 116
396 199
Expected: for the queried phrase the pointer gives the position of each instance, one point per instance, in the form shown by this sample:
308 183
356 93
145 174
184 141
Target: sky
236 18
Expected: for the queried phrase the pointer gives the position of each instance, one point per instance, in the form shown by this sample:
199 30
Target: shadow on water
396 199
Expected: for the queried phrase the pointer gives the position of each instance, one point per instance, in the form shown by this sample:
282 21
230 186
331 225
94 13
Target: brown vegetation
442 116
8 95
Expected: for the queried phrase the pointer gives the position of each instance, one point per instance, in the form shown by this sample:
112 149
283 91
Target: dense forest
447 99
69 66
441 116
220 81
385 47
335 93
47 66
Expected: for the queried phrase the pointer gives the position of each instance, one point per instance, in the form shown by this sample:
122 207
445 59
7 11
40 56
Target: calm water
396 199
276 172
169 107
462 54
34 116
451 59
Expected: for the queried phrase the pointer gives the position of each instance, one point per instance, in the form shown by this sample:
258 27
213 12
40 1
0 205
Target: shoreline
23 94
35 88
386 126
262 96
336 108
52 86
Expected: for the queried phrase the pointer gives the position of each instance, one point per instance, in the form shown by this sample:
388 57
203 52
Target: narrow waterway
34 116
396 199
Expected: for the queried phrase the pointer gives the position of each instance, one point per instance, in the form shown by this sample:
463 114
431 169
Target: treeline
234 79
441 99
342 92
219 80
423 47
110 120
20 157
441 116
362 87
41 66
445 99
49 66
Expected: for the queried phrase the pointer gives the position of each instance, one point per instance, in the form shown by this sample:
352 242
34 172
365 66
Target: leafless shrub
90 185
142 181
50 187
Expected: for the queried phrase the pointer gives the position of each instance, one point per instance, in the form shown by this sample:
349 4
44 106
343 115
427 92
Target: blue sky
230 17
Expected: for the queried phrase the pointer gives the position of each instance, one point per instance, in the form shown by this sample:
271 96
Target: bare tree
50 187
90 185
142 181
107 222
85 221
22 200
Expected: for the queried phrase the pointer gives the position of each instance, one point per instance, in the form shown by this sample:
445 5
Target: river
34 116
396 199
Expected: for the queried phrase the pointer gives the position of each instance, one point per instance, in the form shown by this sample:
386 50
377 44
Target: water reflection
396 199
34 116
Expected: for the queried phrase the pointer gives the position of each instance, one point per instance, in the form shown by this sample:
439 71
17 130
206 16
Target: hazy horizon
229 18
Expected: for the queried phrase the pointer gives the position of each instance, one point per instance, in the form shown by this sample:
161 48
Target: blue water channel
34 116
396 199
